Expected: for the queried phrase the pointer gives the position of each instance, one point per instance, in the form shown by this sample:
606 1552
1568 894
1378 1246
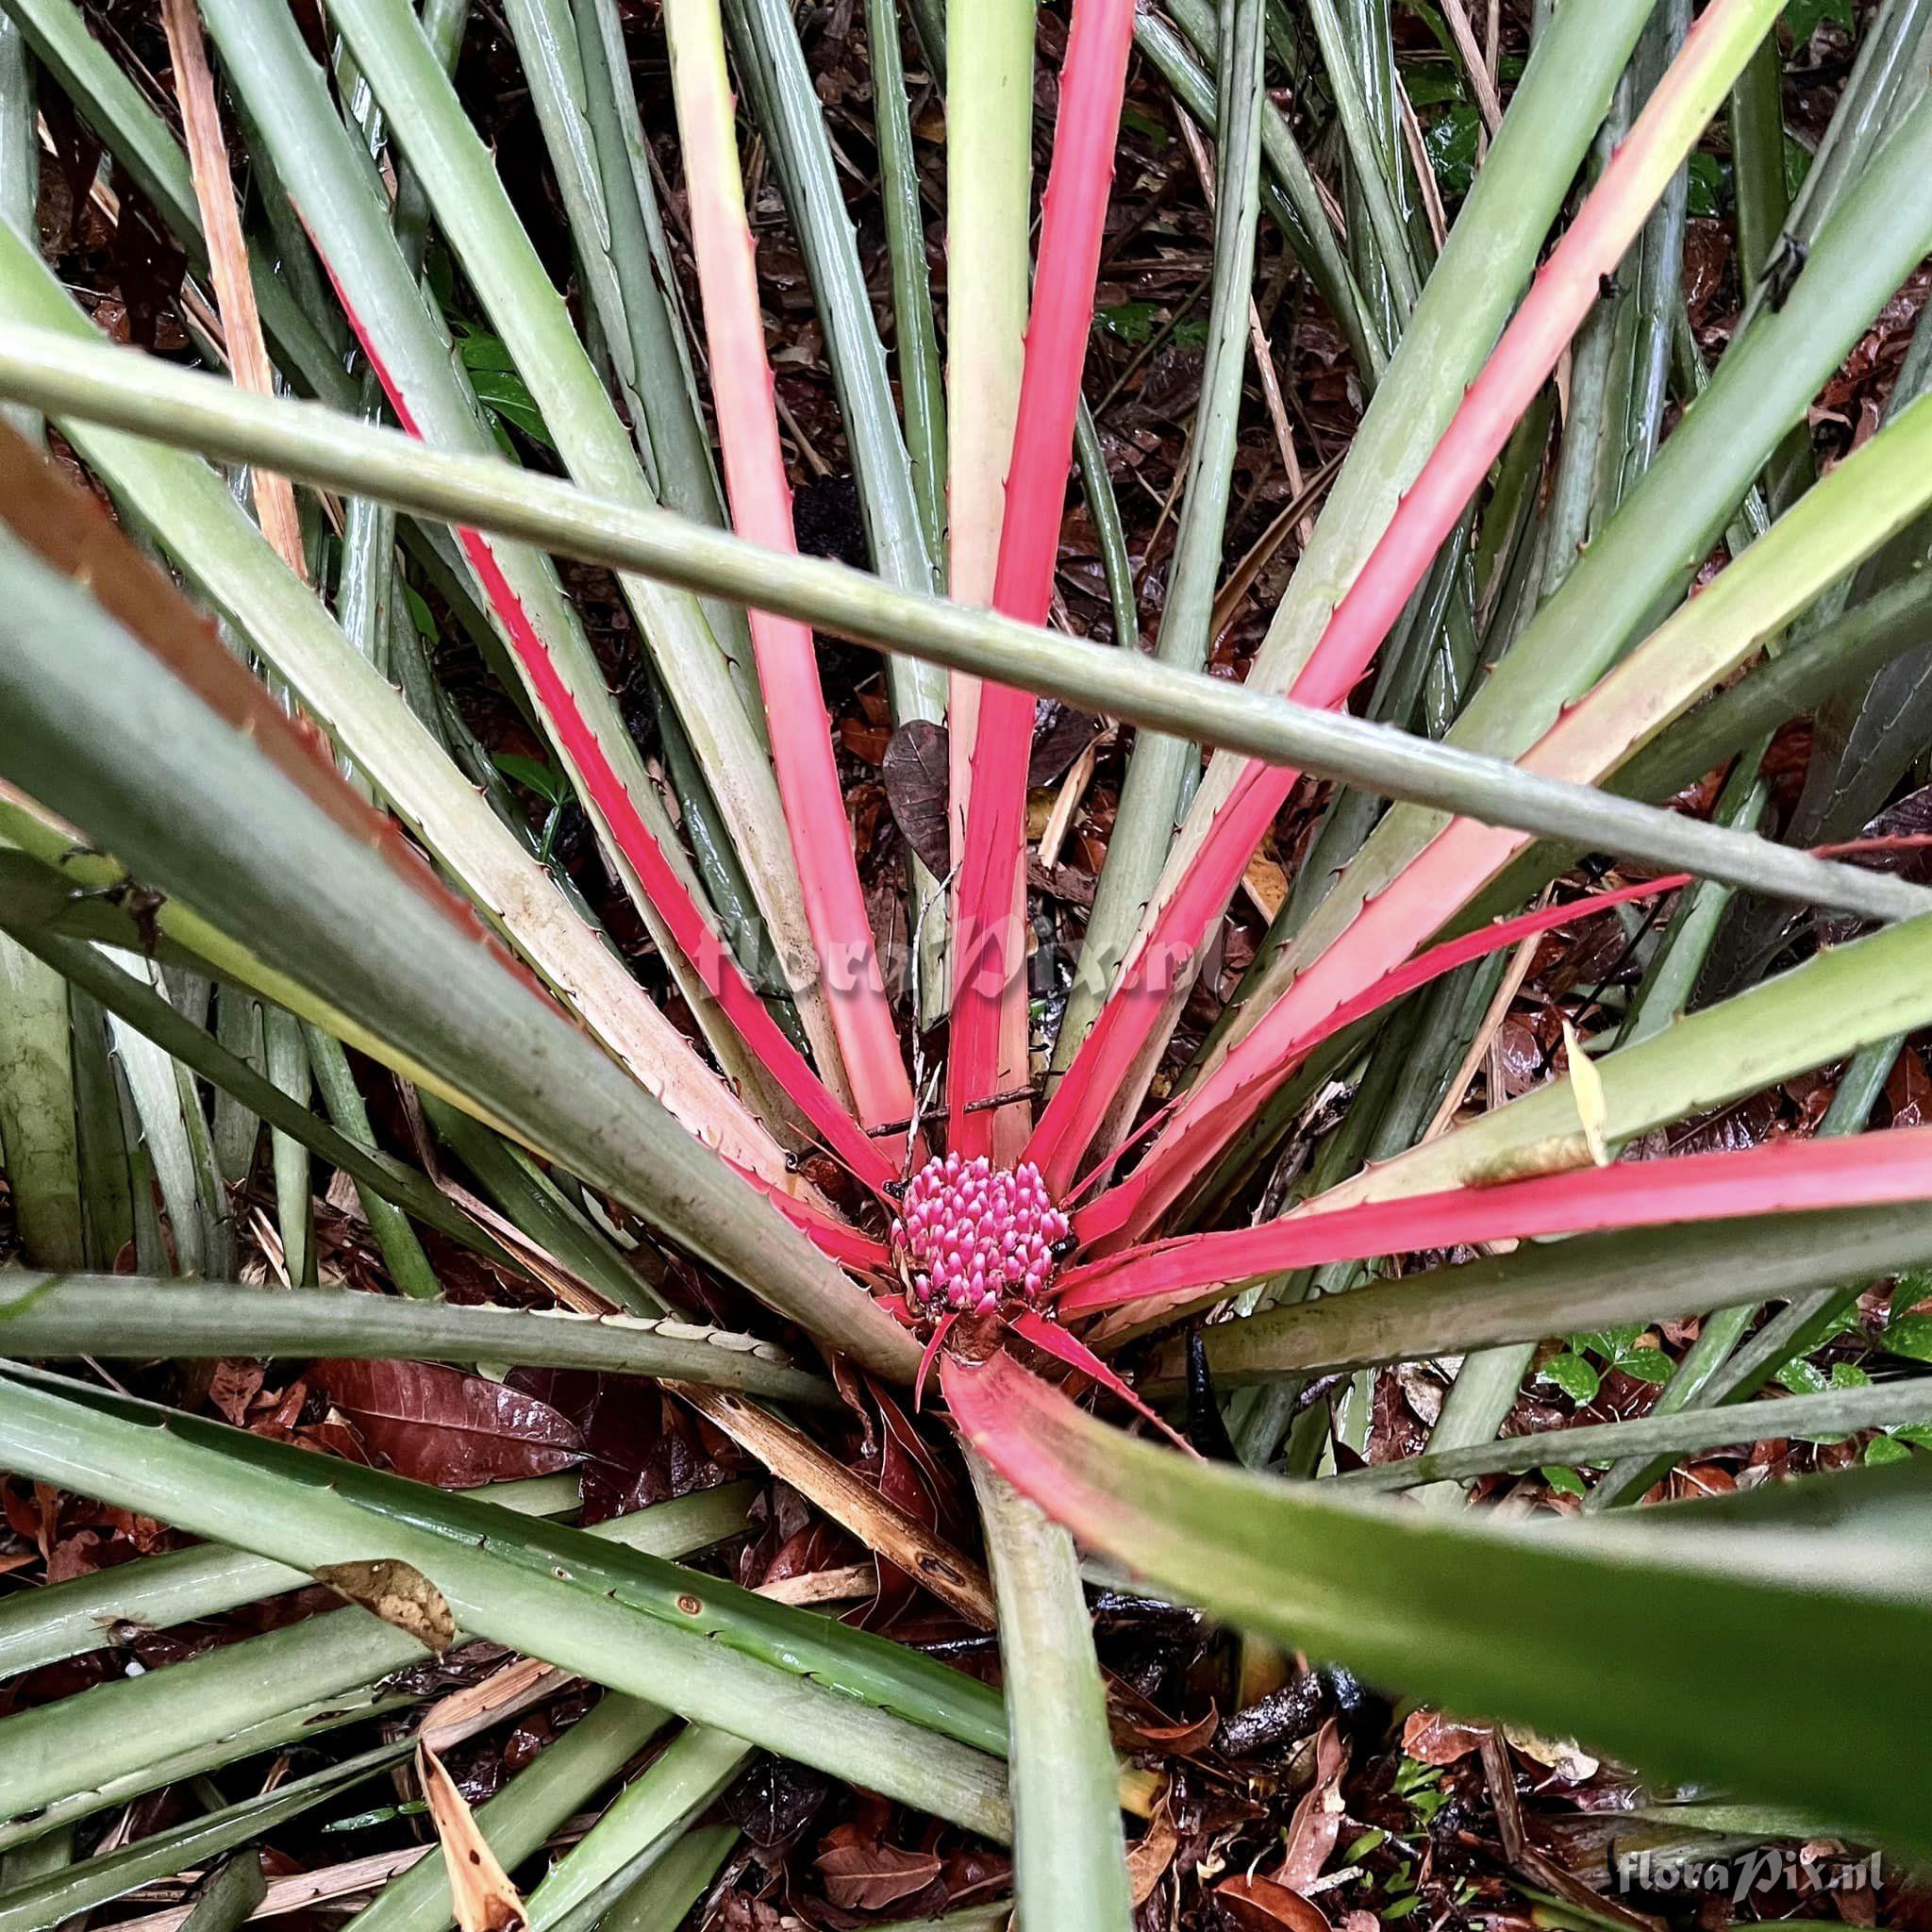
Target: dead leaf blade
481 1895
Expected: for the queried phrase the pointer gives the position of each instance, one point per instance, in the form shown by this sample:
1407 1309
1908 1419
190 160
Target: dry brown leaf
439 1424
863 1875
1563 1755
1151 1855
1317 1821
220 220
1179 1740
480 1891
1432 1737
851 1502
397 1593
1259 1905
1265 884
915 773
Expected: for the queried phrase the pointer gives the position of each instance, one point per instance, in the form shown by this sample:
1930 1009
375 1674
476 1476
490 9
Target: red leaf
639 1448
1181 1741
868 1877
1565 288
759 497
989 979
1285 1036
1317 1821
232 1387
1784 1176
915 775
1258 1905
1430 1738
1049 1336
666 890
442 1426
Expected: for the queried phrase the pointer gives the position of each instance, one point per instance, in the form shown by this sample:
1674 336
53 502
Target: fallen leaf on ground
480 1891
1432 1737
1563 1755
1181 1741
1317 1821
1259 1905
442 1426
1151 1855
867 1877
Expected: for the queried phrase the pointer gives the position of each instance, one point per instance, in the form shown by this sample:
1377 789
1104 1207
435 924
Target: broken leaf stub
397 1593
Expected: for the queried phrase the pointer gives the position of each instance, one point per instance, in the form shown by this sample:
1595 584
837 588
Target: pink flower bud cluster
973 1235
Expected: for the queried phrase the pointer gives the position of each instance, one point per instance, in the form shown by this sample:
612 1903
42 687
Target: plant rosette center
971 1238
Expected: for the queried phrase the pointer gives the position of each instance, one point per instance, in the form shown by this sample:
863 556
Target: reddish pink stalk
761 497
1558 300
839 1239
1051 1338
1782 1177
989 942
1101 1069
1216 1112
1012 1417
980 1392
663 888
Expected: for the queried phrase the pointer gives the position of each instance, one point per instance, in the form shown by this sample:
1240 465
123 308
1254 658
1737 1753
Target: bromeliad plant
1534 695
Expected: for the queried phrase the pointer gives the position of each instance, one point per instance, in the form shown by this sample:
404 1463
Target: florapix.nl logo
1737 1876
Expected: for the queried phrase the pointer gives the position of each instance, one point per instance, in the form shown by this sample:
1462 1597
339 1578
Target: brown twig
214 193
849 1500
1482 82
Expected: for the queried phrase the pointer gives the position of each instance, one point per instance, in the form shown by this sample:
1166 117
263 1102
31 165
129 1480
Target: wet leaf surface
442 1426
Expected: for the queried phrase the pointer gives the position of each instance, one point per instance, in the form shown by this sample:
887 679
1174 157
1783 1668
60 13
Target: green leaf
1452 142
369 940
1566 1482
1572 1375
1797 165
560 1781
210 413
421 615
1067 1822
546 781
1608 1343
501 391
1574 1628
1647 1365
59 1895
54 1316
1709 181
1132 322
649 1629
1885 1449
1909 1335
638 1828
1803 17
1802 1377
1688 1269
1913 1286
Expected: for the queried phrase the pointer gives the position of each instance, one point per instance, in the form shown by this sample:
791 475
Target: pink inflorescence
970 1235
